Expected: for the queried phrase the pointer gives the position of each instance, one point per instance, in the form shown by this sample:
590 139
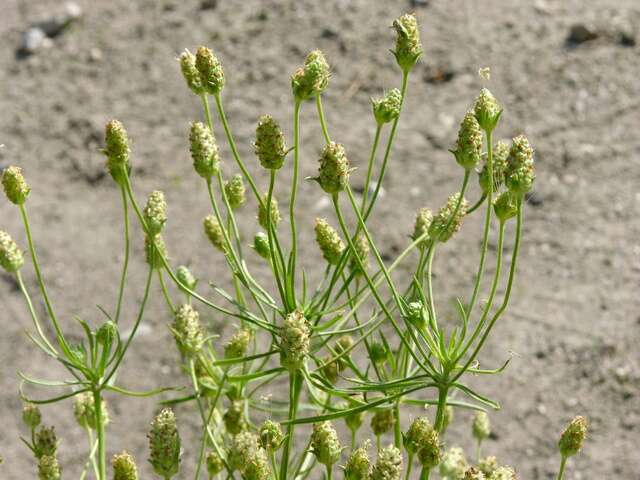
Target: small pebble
580 33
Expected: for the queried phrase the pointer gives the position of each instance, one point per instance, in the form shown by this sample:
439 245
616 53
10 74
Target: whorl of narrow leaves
204 150
164 444
269 145
520 172
124 467
333 173
330 243
388 465
573 437
295 338
187 330
408 46
11 257
15 186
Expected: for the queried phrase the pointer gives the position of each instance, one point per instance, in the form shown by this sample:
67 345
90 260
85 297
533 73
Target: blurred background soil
567 74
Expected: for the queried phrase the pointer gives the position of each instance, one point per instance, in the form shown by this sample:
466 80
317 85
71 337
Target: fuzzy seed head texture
45 442
269 145
187 330
31 415
382 421
49 468
408 46
233 418
295 339
354 420
520 173
154 251
11 257
258 466
124 467
453 464
164 444
325 444
238 344
185 277
378 353
505 206
449 219
333 173
358 466
261 245
488 465
503 473
481 426
387 108
473 473
312 78
271 436
330 369
388 466
414 438
263 213
190 72
84 409
469 144
330 243
210 70
499 167
155 212
243 448
14 185
430 454
235 191
117 150
215 465
362 250
487 110
204 150
214 232
572 438
424 217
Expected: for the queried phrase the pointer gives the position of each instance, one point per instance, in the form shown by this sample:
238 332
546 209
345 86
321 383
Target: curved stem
102 451
165 293
295 383
323 123
292 199
32 311
563 462
442 405
409 466
397 428
372 157
125 264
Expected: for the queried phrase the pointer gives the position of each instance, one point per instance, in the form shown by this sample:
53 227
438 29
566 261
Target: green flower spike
445 224
186 278
204 150
242 450
358 466
235 191
164 444
269 145
271 436
469 146
487 110
187 330
481 427
361 245
408 46
329 241
573 437
387 108
31 415
263 215
11 258
500 155
154 251
215 465
503 473
505 206
453 464
210 69
520 172
354 420
124 467
155 212
334 169
330 369
388 465
117 151
488 465
233 418
15 186
261 245
473 473
382 421
213 231
45 442
325 444
190 72
48 468
430 454
257 467
237 345
85 412
295 341
424 217
312 79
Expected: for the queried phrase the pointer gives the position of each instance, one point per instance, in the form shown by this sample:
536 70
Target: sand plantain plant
360 346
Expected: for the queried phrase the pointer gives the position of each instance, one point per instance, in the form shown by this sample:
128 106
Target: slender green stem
295 383
323 123
165 292
563 462
372 157
478 450
409 466
397 427
279 267
91 460
442 405
424 474
292 198
102 450
32 311
125 263
329 472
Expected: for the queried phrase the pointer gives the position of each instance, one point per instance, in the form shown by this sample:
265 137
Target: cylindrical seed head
430 454
204 150
312 79
124 467
117 151
155 212
453 464
210 69
361 247
488 465
408 46
154 251
449 219
505 206
261 245
15 186
503 473
487 110
358 466
233 418
213 231
164 444
235 191
271 436
418 435
573 437
387 108
499 167
334 169
185 277
190 72
257 467
520 172
31 415
84 409
473 473
325 444
378 353
263 213
382 421
424 217
330 369
269 145
215 465
187 330
469 144
49 468
481 427
242 449
11 257
238 344
45 442
388 465
354 420
295 338
329 241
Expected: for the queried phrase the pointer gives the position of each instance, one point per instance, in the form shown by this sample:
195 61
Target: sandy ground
574 324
